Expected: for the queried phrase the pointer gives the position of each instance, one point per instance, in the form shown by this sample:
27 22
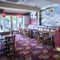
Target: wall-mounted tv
33 15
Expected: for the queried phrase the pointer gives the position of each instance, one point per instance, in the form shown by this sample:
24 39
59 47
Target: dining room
29 32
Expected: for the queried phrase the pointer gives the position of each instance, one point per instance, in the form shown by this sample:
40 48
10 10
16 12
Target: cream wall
26 20
16 6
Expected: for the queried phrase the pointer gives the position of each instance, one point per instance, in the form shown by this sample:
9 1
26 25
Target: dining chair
1 45
39 37
1 50
45 37
9 46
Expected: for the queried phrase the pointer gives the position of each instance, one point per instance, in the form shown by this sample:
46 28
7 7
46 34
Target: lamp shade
51 10
3 15
19 15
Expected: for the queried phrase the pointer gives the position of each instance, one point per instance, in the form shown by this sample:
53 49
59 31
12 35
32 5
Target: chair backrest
45 36
10 44
10 39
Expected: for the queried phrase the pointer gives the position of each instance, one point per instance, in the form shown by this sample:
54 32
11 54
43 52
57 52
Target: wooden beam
1 10
18 6
9 13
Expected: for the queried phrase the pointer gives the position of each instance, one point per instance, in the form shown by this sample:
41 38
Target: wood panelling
1 10
9 13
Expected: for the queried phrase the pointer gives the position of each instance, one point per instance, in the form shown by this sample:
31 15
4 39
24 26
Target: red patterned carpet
29 49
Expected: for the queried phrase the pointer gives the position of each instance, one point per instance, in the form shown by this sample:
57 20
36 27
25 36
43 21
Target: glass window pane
7 23
20 22
0 20
14 21
1 24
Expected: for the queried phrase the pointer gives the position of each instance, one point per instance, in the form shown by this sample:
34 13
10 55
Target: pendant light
3 15
19 16
51 9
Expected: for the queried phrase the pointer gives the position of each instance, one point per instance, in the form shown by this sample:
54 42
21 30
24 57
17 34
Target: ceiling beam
1 10
18 6
9 13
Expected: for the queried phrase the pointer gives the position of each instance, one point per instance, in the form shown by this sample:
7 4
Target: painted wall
26 20
51 18
18 6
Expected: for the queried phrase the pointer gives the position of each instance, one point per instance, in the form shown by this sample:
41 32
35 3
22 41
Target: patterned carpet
29 49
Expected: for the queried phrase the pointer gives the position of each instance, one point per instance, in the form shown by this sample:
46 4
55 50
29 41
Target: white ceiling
38 3
54 1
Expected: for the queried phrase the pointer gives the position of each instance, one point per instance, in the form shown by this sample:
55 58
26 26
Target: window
7 23
0 20
10 22
21 22
1 24
14 22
